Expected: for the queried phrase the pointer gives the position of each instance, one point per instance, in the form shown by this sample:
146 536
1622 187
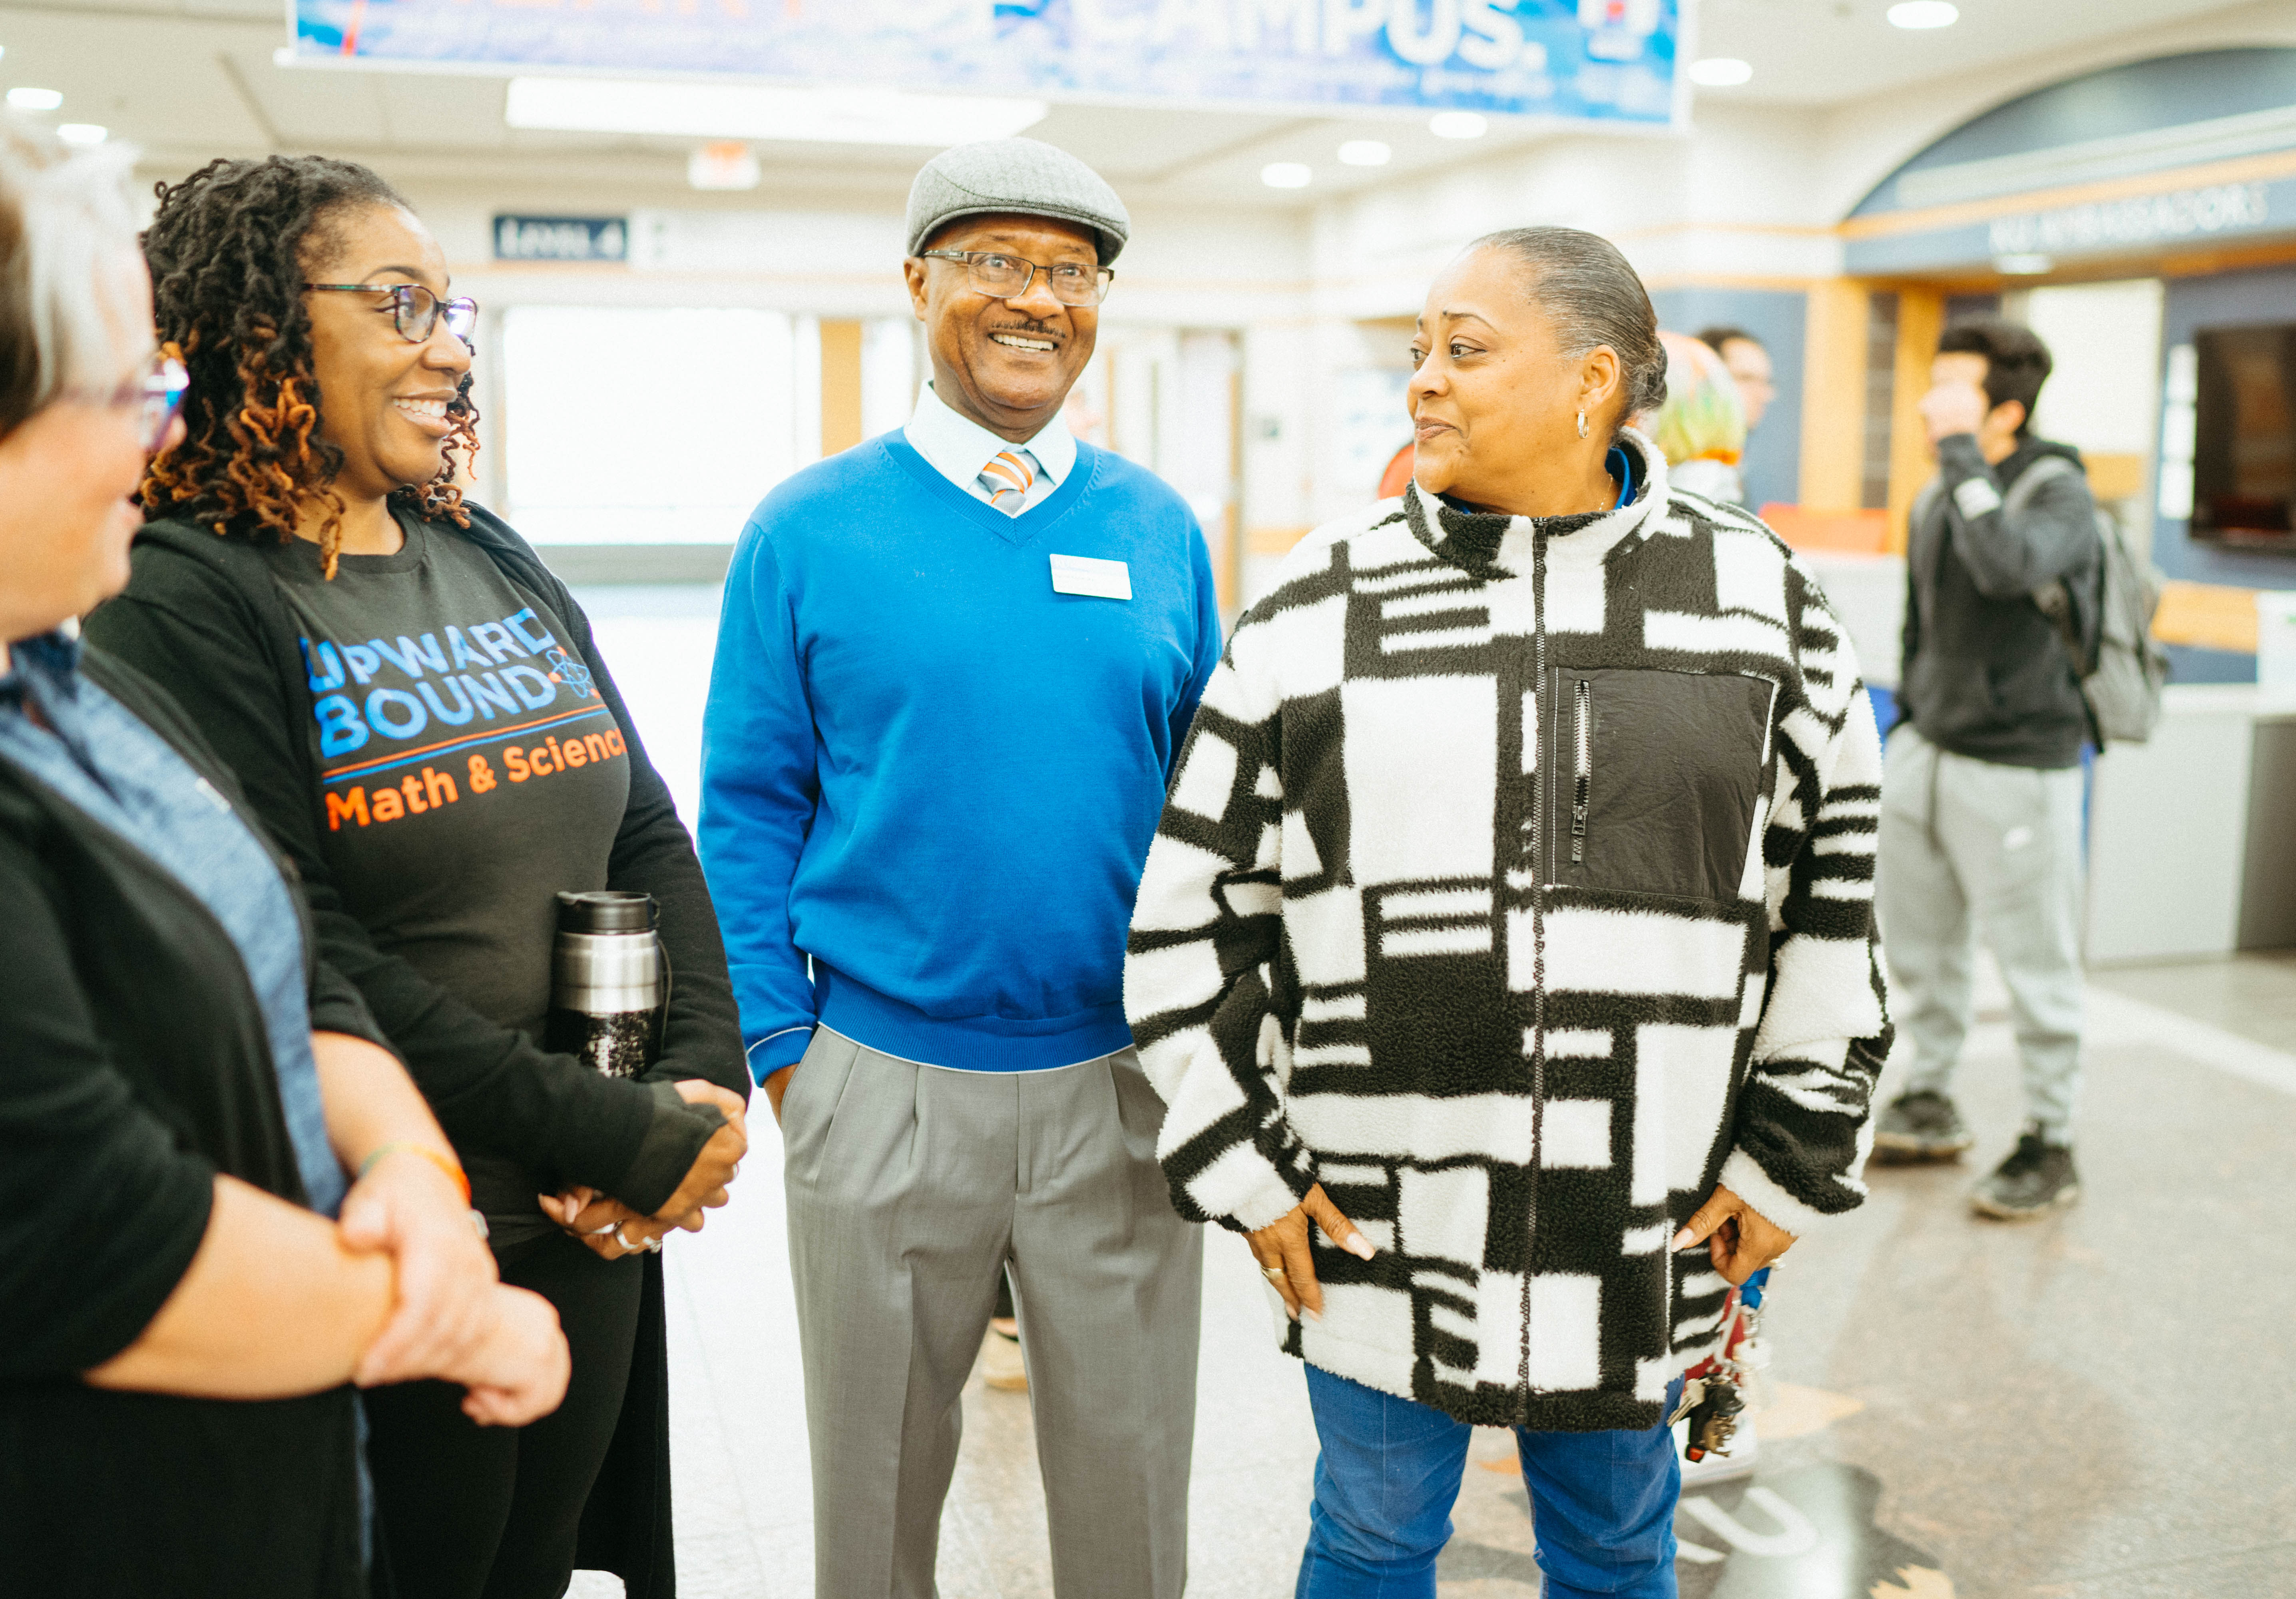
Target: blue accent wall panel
2189 665
1777 317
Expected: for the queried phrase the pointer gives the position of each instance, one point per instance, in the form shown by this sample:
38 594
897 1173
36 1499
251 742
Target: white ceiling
189 79
1824 53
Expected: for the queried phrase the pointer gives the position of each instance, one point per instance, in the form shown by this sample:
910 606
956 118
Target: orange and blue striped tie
1007 477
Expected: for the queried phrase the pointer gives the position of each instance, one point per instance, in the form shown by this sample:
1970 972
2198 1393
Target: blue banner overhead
1609 61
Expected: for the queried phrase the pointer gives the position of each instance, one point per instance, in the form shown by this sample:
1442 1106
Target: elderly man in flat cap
955 665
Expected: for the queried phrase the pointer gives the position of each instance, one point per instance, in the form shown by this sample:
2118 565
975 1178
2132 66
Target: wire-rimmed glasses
1007 276
156 395
414 309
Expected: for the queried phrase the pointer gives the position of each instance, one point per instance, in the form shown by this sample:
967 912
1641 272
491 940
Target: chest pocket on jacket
1653 777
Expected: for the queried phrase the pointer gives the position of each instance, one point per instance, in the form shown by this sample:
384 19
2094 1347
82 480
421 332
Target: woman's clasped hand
610 1229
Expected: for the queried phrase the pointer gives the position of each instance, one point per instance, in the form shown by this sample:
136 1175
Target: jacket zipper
1542 807
1582 715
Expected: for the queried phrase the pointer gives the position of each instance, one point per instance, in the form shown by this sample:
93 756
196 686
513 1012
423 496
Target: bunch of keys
1715 1401
1714 1418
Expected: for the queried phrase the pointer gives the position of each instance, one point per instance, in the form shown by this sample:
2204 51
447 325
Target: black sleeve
1909 641
105 1211
190 626
2052 536
653 853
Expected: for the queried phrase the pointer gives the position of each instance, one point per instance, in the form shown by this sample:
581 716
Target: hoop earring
1582 424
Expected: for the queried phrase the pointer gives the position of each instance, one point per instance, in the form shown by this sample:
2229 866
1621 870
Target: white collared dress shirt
957 448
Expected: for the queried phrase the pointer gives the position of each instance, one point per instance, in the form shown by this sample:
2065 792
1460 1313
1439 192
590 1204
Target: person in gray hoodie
1981 788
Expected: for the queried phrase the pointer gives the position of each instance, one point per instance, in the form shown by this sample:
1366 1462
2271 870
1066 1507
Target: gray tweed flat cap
1026 176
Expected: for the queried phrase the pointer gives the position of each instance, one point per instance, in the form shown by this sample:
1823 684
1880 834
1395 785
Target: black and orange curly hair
230 249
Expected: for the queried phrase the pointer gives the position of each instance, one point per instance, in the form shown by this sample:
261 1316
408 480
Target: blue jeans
1390 1472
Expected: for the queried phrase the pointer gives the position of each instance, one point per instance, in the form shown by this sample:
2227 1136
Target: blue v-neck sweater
933 775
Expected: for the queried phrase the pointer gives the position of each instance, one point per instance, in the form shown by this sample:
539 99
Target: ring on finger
1275 1273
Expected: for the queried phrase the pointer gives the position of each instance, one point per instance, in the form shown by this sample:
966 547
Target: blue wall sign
2134 226
1609 61
562 238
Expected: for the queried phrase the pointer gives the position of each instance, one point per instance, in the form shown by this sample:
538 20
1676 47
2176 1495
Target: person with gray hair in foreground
1506 953
954 665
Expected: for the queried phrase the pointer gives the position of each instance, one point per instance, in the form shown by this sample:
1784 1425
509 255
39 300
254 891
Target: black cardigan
204 611
134 1066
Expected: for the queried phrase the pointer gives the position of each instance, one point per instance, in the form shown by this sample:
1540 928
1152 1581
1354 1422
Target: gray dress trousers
910 1187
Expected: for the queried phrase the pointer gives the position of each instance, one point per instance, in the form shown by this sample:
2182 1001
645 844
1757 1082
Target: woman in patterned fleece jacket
1510 920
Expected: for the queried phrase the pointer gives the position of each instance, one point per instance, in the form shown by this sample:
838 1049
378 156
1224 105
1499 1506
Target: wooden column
1834 396
1921 318
840 386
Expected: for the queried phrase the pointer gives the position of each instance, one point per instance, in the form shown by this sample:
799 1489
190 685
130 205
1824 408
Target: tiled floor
2094 1407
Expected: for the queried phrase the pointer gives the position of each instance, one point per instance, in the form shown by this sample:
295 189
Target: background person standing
1748 362
954 665
1981 792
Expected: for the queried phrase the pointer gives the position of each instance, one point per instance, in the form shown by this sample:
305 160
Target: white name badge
1086 574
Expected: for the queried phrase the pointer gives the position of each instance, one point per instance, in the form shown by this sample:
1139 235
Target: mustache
1033 329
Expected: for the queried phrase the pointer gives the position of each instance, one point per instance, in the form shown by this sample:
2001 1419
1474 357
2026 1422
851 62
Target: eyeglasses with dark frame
1007 276
414 309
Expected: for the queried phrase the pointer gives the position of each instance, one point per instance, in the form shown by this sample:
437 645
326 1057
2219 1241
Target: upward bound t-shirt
469 772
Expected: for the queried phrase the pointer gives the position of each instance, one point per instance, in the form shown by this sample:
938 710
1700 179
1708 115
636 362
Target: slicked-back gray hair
67 254
1594 298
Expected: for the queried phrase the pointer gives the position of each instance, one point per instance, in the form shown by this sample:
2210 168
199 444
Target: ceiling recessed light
35 100
83 133
728 164
1720 71
2022 265
732 110
1924 13
1364 152
1457 125
1287 174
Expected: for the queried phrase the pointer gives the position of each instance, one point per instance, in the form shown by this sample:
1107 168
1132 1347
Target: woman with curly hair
416 708
227 1202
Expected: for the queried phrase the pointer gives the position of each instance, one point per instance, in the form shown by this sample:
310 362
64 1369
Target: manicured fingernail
1359 1247
1315 1317
1684 1239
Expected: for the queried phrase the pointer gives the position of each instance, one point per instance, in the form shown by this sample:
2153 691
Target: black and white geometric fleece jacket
1516 883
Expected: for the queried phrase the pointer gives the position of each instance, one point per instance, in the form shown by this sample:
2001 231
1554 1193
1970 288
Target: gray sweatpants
910 1187
1972 847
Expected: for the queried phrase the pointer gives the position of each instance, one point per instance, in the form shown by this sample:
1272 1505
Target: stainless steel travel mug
610 981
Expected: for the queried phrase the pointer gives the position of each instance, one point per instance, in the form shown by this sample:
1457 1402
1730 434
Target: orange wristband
445 1163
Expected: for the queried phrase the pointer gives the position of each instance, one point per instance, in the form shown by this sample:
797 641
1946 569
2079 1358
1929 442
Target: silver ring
612 1227
653 1244
625 1243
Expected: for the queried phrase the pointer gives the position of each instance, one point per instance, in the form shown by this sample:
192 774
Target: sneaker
1920 1126
2036 1179
1001 1365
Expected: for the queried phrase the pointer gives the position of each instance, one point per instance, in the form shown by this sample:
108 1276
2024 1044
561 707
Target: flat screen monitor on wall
2244 436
